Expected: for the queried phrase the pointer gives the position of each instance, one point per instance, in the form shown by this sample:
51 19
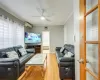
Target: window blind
20 35
11 33
1 34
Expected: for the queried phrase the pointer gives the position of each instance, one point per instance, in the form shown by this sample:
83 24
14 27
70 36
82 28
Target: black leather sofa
66 64
11 69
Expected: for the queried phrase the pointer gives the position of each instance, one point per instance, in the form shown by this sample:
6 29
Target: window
11 33
1 34
19 35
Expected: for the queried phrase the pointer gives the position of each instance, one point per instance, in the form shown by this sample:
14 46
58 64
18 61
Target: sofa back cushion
3 52
12 54
69 47
3 55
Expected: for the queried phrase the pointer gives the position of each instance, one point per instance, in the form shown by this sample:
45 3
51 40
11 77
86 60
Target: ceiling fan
42 16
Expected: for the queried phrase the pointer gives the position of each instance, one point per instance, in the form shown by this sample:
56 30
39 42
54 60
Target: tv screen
32 38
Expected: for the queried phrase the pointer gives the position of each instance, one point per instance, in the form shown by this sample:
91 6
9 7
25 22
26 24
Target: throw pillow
12 54
65 51
69 54
22 51
62 50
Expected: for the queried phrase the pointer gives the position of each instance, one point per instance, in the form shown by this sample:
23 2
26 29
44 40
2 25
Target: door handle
80 61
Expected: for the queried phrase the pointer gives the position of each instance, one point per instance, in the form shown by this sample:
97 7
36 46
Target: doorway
45 42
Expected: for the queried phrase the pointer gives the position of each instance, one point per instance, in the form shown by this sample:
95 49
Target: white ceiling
58 10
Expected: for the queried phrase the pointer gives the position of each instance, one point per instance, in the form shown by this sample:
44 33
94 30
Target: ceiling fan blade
39 10
36 16
48 19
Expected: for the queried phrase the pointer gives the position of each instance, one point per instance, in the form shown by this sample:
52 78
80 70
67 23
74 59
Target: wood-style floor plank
35 74
51 70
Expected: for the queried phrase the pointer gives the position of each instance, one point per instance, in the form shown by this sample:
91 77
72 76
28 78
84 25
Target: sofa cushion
3 52
24 59
64 59
66 64
3 55
22 51
59 54
68 54
12 54
69 47
65 52
30 50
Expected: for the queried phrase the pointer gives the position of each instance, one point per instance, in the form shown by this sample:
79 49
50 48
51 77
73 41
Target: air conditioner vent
27 24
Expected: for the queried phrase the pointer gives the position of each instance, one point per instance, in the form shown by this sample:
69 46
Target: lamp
42 18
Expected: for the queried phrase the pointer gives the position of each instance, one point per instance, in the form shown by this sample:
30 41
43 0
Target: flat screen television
32 38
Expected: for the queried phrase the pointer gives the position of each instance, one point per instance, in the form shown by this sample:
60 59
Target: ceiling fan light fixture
42 18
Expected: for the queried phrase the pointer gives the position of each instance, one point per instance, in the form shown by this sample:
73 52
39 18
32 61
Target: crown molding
68 17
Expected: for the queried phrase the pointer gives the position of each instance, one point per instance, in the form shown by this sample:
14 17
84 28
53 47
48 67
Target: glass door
90 40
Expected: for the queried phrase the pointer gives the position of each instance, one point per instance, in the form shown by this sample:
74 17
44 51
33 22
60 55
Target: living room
49 40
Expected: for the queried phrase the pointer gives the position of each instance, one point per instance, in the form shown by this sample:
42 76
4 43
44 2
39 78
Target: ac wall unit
28 25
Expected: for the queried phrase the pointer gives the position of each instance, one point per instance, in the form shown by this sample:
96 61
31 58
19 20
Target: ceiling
57 10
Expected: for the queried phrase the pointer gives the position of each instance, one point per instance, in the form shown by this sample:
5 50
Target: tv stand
37 47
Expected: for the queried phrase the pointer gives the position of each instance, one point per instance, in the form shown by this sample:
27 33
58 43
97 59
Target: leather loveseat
66 64
11 69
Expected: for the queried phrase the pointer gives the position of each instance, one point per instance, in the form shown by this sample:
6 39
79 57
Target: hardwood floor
51 70
35 74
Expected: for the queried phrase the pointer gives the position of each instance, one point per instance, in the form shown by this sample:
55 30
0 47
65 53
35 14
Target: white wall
77 38
56 35
5 13
69 30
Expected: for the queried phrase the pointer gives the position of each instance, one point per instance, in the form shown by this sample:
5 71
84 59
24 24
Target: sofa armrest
5 62
10 67
58 48
66 59
30 50
8 59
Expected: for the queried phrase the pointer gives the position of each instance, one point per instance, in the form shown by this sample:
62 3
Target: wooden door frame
83 41
99 37
82 38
